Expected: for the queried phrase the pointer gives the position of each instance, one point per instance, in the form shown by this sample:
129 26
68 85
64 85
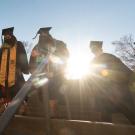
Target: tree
125 49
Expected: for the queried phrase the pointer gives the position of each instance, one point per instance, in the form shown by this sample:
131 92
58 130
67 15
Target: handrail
10 111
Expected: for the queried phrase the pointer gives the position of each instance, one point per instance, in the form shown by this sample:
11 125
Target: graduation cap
44 30
8 31
96 43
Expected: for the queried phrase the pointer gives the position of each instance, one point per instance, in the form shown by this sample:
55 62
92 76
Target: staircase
24 125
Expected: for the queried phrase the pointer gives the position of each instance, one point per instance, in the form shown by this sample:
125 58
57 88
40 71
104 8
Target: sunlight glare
38 82
77 66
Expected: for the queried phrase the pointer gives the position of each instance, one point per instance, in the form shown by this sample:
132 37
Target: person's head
45 39
9 38
96 47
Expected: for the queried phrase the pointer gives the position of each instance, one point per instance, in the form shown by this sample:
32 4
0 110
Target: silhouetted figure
111 78
13 63
57 52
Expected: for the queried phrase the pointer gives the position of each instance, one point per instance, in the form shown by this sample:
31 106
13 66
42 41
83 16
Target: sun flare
77 66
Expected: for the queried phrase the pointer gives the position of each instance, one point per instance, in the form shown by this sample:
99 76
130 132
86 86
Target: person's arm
23 61
119 71
33 63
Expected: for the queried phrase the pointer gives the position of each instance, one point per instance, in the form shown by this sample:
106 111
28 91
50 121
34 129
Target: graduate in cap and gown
13 64
111 84
42 49
47 44
58 51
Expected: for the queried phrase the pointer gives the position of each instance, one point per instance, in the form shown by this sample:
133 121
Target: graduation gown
21 67
38 55
111 86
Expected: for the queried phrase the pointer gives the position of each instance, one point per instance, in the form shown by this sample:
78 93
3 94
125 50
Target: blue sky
76 22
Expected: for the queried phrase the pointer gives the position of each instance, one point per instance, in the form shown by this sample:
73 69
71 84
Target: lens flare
77 67
104 72
38 82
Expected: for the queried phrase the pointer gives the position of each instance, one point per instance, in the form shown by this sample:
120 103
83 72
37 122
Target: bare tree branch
125 49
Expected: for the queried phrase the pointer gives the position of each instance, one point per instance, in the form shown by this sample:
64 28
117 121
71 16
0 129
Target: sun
77 66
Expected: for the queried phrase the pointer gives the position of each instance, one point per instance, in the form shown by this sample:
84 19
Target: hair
12 41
